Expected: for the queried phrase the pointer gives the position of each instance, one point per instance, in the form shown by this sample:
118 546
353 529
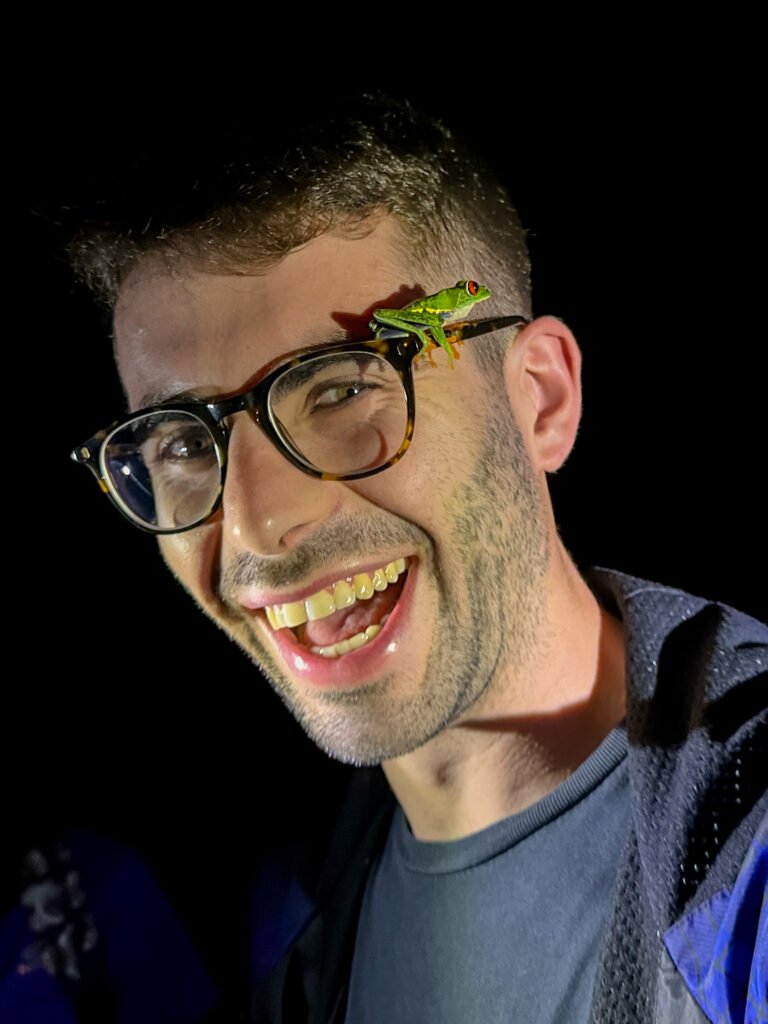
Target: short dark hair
240 202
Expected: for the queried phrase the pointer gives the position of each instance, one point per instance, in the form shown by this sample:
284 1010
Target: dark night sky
643 220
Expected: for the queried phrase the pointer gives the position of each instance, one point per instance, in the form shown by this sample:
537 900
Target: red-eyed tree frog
444 307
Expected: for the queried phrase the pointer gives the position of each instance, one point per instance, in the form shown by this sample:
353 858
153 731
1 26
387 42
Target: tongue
348 621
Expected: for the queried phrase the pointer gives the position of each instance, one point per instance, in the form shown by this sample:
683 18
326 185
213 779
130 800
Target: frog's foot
428 346
439 336
451 347
455 343
449 344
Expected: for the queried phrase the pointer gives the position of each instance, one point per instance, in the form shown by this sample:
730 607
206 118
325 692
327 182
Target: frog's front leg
408 320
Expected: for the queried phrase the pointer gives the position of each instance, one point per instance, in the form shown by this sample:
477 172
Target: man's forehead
180 328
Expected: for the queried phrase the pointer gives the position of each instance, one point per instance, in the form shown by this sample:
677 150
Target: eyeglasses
340 412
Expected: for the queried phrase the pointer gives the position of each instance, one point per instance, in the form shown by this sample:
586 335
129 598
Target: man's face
463 507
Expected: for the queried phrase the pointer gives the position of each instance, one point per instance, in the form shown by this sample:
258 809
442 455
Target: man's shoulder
680 641
696 674
648 598
697 730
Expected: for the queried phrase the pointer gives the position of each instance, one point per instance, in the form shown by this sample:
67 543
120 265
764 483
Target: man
572 764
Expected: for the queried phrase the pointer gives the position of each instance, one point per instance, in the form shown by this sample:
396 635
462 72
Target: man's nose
268 504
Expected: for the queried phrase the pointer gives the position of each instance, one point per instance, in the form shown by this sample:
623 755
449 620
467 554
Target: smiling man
456 589
373 527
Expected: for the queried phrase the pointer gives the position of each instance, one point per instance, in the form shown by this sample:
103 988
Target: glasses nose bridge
268 497
253 402
250 401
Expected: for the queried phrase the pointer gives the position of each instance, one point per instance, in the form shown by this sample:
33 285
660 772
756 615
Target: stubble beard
490 597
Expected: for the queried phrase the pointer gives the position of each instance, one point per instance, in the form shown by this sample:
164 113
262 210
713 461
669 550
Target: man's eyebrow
168 397
314 340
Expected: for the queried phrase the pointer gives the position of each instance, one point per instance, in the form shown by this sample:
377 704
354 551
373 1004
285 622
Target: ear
543 381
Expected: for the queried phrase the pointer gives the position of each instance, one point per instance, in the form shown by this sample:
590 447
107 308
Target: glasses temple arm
475 328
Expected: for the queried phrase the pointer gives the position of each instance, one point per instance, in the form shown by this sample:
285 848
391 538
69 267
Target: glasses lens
342 413
163 469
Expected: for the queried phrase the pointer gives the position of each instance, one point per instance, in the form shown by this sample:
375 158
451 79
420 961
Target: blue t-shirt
503 925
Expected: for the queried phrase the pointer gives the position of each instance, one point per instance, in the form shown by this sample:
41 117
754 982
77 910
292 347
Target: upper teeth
342 594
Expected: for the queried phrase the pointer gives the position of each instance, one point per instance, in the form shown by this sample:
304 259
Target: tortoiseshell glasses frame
398 348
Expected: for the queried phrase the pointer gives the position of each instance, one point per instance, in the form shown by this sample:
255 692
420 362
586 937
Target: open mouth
344 616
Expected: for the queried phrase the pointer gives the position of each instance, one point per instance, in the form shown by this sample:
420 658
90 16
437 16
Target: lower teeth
351 644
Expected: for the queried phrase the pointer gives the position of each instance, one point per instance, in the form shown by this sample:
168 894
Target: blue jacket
687 939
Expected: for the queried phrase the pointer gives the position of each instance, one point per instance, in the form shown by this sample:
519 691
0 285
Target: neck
532 727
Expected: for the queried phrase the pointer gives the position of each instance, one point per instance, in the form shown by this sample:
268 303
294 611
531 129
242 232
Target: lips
345 615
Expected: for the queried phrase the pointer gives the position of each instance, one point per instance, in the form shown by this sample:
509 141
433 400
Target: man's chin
361 727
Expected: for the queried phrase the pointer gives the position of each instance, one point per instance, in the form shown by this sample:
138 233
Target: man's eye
189 444
329 397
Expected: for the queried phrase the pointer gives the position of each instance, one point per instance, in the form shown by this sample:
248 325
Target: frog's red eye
473 287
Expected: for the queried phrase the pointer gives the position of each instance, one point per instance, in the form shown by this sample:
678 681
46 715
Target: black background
130 713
